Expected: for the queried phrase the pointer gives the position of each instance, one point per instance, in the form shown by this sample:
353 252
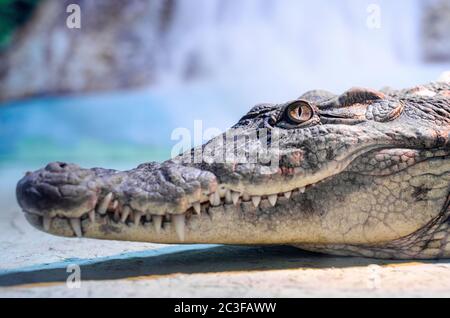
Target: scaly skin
365 173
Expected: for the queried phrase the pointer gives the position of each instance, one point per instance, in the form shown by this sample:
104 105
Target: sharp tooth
47 223
228 198
256 201
178 222
92 216
103 206
302 190
214 199
288 195
157 222
197 208
235 197
222 192
125 213
114 206
246 197
273 199
137 217
76 227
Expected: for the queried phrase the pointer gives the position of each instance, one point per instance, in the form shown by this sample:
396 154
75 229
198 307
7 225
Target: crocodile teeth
157 222
228 197
103 206
222 192
137 217
178 222
302 190
92 216
288 195
214 199
235 197
125 213
256 201
273 199
47 223
76 227
197 208
246 197
115 204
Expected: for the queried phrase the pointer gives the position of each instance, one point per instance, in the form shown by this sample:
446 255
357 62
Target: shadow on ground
208 260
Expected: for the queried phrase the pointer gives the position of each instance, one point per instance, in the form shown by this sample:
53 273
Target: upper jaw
152 193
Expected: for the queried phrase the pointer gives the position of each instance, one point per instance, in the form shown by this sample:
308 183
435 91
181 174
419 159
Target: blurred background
106 82
107 85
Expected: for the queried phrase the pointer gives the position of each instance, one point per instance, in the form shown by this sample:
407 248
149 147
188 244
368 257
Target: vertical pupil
299 113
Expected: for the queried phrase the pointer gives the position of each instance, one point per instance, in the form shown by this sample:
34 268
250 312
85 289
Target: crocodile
365 173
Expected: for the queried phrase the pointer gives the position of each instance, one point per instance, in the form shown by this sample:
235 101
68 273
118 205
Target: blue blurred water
115 128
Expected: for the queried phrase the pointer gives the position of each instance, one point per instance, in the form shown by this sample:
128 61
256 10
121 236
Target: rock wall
136 43
120 44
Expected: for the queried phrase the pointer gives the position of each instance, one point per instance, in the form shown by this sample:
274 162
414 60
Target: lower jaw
241 224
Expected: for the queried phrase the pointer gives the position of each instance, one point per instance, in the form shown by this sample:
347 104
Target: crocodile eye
299 112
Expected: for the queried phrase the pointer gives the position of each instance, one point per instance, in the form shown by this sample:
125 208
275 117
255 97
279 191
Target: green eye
299 112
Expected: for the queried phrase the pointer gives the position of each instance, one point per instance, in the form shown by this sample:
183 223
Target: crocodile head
349 173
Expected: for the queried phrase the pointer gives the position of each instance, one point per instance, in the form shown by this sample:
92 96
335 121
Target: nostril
56 166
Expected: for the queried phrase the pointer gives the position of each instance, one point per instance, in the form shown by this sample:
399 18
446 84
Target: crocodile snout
59 189
65 199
